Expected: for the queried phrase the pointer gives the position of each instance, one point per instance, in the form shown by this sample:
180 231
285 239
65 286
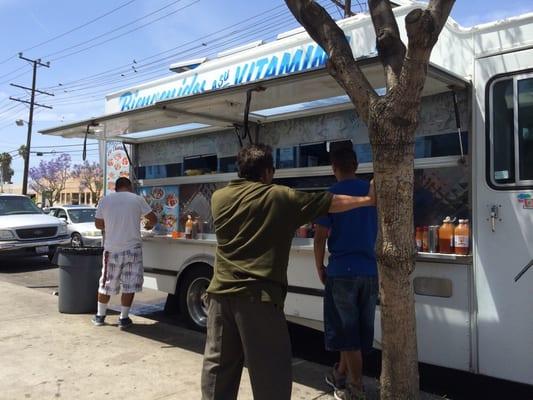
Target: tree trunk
393 149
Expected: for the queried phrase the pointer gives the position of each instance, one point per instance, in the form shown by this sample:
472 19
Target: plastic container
446 236
462 238
418 238
425 238
79 273
188 227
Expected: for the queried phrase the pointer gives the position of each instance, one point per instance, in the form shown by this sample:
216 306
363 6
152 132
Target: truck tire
192 290
76 240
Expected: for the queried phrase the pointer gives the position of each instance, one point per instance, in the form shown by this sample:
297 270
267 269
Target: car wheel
75 240
192 295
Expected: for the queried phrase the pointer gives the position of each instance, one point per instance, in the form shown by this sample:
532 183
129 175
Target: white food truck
178 137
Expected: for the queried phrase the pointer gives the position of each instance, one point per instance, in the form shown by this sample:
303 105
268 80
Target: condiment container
462 238
446 236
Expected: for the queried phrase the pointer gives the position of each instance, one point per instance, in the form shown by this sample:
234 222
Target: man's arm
341 203
152 220
319 245
99 223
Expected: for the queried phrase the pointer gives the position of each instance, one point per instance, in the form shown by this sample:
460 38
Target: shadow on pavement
10 265
304 373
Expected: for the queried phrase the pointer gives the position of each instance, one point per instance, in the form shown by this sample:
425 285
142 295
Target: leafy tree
22 151
91 177
392 120
51 176
5 166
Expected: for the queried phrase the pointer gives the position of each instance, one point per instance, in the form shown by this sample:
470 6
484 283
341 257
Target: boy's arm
319 246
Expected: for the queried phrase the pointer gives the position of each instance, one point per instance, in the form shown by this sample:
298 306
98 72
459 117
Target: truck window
525 129
503 132
511 132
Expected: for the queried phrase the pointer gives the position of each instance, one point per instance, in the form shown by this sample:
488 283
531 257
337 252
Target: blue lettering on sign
295 60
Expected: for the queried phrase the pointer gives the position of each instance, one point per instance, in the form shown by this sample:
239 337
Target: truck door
503 214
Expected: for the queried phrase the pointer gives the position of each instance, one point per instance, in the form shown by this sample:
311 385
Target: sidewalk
48 355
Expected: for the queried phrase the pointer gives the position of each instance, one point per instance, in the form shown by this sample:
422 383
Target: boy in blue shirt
350 278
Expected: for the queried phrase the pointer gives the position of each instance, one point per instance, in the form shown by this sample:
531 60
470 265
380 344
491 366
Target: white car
80 225
26 231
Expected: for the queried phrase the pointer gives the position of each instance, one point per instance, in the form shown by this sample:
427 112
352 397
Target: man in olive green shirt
255 222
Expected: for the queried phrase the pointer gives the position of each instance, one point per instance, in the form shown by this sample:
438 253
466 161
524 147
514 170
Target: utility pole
32 103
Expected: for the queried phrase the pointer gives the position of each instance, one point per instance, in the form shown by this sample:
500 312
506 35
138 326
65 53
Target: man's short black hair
344 159
122 183
253 160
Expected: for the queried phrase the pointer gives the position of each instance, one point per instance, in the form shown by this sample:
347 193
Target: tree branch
341 64
390 47
346 6
423 30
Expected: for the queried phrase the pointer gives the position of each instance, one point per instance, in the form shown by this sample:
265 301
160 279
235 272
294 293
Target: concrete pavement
47 355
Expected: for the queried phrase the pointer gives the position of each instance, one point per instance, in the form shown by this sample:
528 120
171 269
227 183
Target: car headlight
92 233
6 235
62 230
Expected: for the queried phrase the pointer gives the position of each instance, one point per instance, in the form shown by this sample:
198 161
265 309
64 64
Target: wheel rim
196 301
75 241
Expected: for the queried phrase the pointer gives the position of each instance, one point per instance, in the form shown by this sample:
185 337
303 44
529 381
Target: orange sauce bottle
462 236
418 238
188 227
446 236
425 239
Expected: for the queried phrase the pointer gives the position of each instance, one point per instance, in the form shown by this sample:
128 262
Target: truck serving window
511 132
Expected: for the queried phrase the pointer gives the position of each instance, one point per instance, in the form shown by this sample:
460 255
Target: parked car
25 230
80 225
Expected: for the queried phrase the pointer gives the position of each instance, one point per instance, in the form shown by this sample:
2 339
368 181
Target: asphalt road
39 274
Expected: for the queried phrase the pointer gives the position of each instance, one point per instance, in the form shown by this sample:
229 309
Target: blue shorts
349 309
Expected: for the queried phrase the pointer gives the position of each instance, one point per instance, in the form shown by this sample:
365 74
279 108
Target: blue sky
26 24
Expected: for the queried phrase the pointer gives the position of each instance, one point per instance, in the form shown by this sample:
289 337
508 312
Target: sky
127 42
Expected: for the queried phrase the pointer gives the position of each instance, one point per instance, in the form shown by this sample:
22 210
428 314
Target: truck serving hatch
298 94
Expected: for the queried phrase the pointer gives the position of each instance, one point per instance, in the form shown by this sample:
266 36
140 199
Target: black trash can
79 272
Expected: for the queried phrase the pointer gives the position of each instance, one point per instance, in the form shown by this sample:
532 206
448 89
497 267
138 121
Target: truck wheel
76 240
193 304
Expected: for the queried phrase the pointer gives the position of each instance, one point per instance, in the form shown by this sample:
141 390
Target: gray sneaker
351 392
125 323
334 379
98 320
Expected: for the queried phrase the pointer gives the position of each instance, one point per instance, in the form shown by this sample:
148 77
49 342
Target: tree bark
392 121
393 152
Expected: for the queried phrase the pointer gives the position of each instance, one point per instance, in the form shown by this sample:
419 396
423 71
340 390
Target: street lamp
21 122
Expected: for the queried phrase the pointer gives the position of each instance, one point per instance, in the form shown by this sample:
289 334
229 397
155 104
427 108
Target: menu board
164 201
117 164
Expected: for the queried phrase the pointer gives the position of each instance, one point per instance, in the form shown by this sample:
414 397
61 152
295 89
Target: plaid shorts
122 268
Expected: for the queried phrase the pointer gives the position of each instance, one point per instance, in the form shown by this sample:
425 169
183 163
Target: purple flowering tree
51 176
91 177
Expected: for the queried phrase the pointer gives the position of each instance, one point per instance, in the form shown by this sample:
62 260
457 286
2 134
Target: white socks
102 309
124 312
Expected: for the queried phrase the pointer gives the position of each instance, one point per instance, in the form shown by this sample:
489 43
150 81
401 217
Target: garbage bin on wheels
79 272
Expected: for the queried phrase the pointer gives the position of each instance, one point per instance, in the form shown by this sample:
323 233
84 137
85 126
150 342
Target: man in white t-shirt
119 214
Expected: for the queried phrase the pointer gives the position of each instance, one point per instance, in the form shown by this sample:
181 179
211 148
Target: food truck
177 137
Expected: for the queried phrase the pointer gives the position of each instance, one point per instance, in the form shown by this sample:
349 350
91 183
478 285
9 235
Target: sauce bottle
446 236
462 235
418 238
188 227
425 238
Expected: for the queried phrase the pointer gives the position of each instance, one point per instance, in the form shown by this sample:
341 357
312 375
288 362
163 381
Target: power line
111 31
64 34
155 73
32 103
81 26
118 69
106 81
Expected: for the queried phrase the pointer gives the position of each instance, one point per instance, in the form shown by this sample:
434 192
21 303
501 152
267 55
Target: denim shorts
349 309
